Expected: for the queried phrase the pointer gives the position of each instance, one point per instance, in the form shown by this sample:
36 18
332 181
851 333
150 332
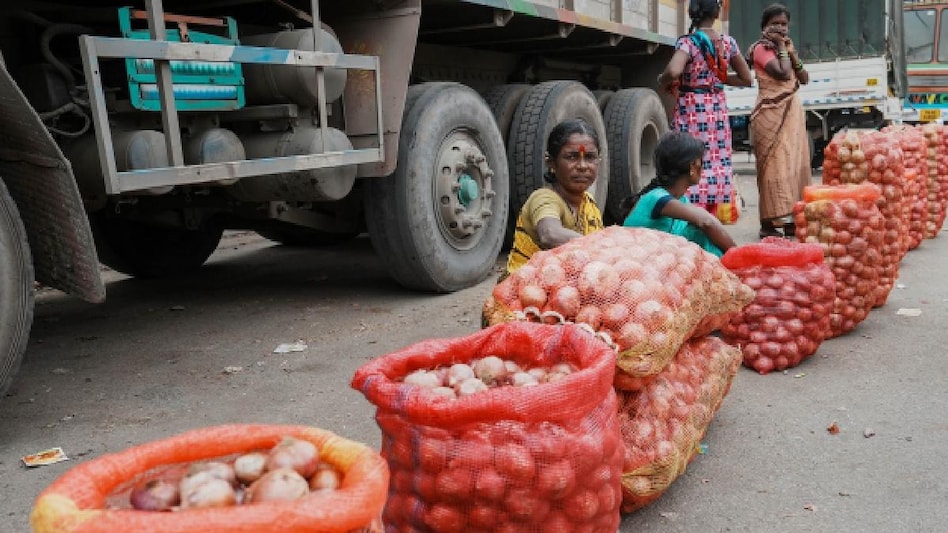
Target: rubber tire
16 290
545 106
401 217
503 101
146 251
635 119
603 97
293 235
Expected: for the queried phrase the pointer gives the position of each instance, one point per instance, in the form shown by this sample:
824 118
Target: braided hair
674 154
560 135
699 10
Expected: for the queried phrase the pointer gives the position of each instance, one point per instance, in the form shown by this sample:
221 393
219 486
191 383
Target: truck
854 52
927 63
135 132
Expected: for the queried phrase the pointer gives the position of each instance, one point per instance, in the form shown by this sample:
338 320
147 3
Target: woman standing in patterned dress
696 75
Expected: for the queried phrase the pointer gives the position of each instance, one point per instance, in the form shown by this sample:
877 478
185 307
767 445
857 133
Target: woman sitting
563 209
663 204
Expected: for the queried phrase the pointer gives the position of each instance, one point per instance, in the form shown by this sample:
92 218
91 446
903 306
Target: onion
523 379
155 495
326 478
490 369
281 484
250 466
458 373
447 392
212 492
423 378
216 469
470 386
295 454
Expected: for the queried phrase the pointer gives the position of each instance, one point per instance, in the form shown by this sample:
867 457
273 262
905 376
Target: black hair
699 10
674 154
771 11
560 136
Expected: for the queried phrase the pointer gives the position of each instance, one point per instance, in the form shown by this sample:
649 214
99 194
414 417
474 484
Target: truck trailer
136 131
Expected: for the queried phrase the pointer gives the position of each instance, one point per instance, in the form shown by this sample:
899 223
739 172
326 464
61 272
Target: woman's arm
779 66
673 70
743 78
799 69
702 220
551 233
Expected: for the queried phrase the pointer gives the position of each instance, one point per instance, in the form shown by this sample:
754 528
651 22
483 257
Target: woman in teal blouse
663 204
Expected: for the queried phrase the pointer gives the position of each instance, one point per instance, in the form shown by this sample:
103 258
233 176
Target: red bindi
582 152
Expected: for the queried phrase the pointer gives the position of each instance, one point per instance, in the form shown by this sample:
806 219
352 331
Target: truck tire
603 97
146 251
503 101
545 106
635 119
16 290
438 221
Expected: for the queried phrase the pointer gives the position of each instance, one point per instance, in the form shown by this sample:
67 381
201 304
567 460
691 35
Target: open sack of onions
790 315
644 290
663 423
260 478
845 222
510 454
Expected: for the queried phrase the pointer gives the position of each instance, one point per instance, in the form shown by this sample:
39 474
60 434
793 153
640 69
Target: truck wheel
16 290
635 119
438 221
147 251
545 106
503 101
603 97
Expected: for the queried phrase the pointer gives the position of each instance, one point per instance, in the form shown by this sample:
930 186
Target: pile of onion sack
845 222
513 428
654 297
261 478
790 315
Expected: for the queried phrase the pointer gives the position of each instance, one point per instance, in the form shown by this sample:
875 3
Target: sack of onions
916 191
662 425
644 290
513 428
790 315
915 197
846 223
934 154
875 157
241 477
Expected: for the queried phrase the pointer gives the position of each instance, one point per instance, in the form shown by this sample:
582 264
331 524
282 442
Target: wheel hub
463 188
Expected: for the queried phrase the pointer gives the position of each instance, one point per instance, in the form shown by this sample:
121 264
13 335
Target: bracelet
783 54
799 66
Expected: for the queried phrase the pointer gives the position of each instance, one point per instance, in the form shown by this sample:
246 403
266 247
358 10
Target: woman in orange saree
778 124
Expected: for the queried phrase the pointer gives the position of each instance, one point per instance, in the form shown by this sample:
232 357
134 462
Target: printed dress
702 112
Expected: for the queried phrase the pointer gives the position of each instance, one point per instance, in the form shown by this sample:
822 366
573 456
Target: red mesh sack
662 425
93 497
916 217
875 157
846 223
790 315
645 290
914 197
935 153
537 458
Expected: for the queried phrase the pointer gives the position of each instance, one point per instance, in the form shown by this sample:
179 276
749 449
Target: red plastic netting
527 459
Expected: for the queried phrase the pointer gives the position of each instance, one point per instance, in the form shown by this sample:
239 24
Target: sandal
769 232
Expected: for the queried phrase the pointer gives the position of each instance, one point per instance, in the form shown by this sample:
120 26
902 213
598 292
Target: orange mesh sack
662 425
914 198
94 496
937 183
644 290
790 315
846 223
544 457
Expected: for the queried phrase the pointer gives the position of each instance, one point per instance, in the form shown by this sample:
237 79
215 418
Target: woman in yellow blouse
563 209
